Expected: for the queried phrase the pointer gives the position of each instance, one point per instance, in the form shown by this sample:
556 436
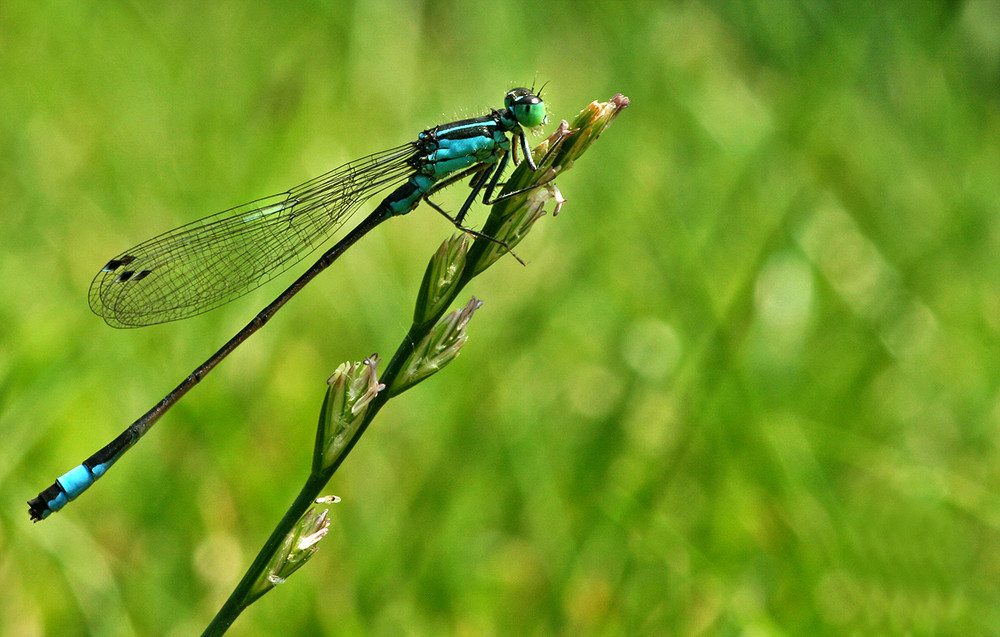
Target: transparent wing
209 262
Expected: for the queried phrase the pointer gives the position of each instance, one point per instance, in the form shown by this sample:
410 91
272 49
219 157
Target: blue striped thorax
450 148
453 147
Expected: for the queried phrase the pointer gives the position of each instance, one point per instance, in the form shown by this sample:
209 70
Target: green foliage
747 381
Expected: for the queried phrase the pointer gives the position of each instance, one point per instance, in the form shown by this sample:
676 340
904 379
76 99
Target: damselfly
206 263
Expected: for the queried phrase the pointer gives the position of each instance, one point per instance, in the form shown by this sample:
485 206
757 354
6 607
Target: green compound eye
528 108
530 115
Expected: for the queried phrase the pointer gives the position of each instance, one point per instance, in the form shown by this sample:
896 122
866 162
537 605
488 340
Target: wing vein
211 261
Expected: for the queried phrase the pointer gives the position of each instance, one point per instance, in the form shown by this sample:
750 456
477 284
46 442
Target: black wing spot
114 264
132 275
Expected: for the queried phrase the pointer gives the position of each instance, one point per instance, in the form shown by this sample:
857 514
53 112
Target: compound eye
528 108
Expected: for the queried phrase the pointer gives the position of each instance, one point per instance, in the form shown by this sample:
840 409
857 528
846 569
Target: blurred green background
746 385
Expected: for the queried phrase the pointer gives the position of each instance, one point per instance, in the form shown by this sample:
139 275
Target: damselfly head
528 108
